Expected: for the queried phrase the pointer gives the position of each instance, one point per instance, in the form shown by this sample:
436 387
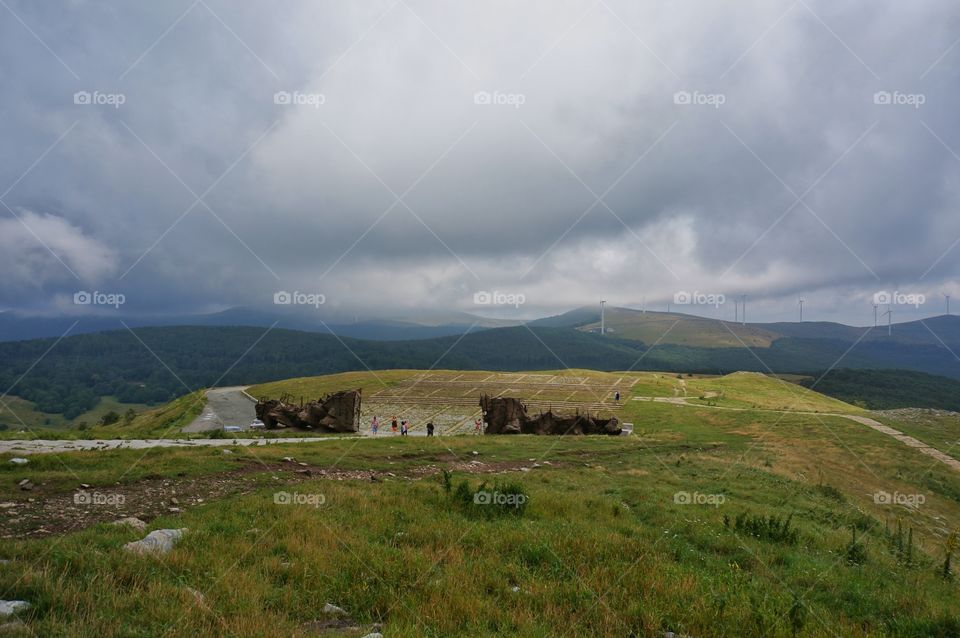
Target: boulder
133 522
10 607
158 542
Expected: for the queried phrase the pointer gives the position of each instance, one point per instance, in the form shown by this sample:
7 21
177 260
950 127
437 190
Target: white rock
9 607
375 634
332 610
19 461
159 541
133 522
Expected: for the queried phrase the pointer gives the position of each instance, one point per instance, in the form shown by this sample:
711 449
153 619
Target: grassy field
706 522
17 413
682 329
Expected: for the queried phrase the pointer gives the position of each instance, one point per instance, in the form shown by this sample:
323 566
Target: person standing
616 397
393 425
403 428
429 429
374 425
478 427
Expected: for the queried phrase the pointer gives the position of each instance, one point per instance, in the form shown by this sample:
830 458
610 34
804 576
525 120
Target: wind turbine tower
800 303
602 325
889 314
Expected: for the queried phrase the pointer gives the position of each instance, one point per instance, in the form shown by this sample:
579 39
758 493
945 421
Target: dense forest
888 389
155 365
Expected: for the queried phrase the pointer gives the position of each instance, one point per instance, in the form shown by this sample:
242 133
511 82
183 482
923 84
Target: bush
771 528
490 501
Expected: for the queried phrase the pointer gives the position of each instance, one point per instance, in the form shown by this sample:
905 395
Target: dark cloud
563 150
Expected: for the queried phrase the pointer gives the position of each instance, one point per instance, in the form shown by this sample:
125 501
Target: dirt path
48 513
906 439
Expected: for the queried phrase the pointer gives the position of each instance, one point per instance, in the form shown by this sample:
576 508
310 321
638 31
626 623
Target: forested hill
157 364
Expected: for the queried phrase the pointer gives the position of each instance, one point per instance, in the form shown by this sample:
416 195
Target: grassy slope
682 329
162 422
602 550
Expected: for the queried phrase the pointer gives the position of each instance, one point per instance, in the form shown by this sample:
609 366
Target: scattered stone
174 501
19 461
173 510
302 463
159 541
226 451
287 459
375 634
330 609
25 485
84 486
10 607
133 522
475 453
7 505
515 589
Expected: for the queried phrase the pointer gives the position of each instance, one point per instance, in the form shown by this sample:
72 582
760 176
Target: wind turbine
743 307
948 304
736 310
602 304
889 314
800 303
875 306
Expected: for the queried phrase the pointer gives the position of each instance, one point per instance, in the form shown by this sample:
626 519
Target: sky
499 158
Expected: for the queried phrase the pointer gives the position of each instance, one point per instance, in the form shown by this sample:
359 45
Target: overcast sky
404 156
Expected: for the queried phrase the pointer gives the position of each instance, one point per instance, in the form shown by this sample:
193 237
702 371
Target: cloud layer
402 156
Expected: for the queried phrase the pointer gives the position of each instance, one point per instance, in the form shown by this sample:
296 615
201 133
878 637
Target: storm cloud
402 156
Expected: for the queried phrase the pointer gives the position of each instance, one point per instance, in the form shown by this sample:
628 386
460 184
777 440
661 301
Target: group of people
403 427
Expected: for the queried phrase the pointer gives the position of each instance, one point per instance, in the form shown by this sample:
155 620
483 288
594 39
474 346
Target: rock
226 451
133 522
159 541
173 510
10 607
287 459
174 501
7 505
375 634
25 485
475 453
330 609
84 486
19 461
